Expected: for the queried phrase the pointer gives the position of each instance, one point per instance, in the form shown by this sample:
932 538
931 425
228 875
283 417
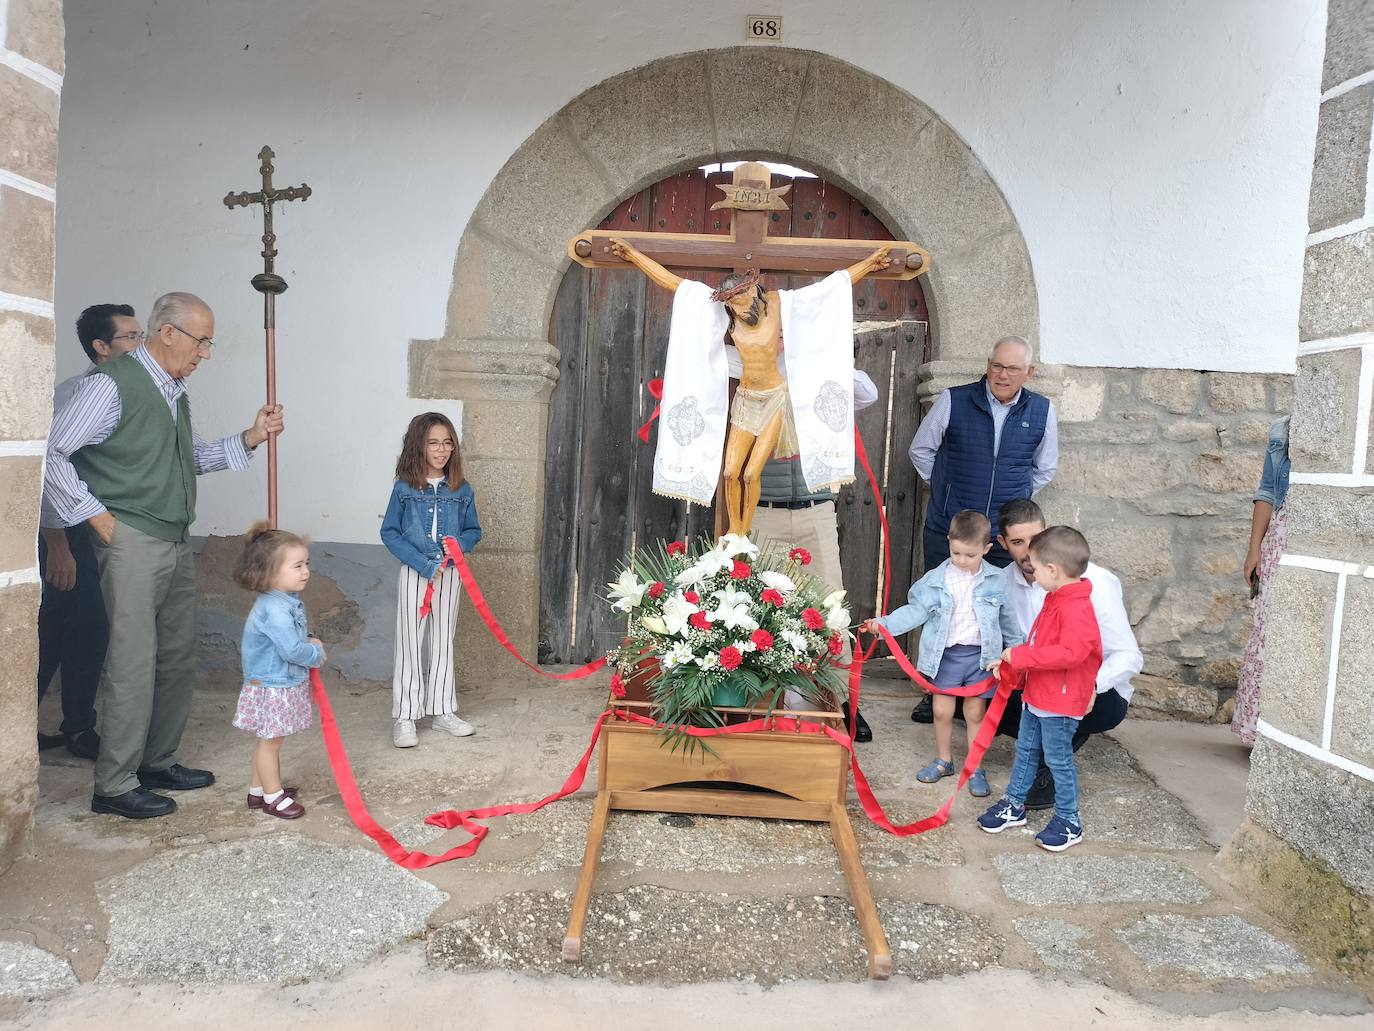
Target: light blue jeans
1051 736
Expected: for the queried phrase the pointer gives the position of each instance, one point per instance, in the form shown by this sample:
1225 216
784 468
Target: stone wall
31 59
1311 783
1158 467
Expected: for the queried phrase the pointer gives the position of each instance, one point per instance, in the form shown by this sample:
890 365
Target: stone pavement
218 907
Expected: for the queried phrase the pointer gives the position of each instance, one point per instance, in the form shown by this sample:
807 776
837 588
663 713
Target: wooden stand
804 777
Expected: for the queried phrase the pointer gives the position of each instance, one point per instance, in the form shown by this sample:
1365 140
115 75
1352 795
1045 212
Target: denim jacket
1273 486
410 518
930 605
275 650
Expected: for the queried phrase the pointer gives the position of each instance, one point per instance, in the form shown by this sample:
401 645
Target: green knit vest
145 472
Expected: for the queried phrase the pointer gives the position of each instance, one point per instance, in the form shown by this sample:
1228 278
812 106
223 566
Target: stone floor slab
1045 879
278 908
648 934
1059 944
28 972
1212 947
1139 817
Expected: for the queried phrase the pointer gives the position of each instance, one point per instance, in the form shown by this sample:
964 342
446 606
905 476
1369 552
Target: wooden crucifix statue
801 406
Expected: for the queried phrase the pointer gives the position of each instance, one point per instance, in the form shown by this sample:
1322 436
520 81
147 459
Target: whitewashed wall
1156 155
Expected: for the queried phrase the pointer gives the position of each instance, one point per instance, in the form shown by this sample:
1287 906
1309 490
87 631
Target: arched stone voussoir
499 290
646 123
755 94
981 294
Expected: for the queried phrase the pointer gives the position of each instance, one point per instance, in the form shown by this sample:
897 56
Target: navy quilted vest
966 475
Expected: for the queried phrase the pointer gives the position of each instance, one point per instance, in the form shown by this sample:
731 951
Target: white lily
832 599
732 597
736 617
837 618
676 611
627 591
733 544
654 625
780 582
714 562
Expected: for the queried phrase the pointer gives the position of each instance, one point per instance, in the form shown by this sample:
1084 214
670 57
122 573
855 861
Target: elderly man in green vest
123 457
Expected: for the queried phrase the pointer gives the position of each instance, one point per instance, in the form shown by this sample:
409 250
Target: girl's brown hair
411 467
261 556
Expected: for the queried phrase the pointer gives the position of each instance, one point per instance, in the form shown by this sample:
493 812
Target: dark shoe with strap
84 744
1041 794
924 711
176 778
862 733
138 804
47 741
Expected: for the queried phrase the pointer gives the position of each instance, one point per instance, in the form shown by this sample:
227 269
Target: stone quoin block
34 30
1352 724
1338 287
26 259
1297 650
1331 522
26 359
30 139
1339 170
21 483
1349 41
1322 433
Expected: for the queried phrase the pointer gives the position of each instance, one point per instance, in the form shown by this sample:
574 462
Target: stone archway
793 106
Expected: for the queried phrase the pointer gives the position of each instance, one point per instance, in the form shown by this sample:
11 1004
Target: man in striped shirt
123 458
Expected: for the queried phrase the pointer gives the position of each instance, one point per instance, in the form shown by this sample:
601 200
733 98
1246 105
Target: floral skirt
274 711
1252 665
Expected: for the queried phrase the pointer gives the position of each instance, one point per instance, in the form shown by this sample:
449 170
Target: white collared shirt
1121 658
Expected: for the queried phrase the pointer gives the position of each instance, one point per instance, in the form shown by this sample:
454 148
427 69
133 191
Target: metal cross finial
268 281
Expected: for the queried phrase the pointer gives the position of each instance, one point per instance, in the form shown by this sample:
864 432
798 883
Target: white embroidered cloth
818 326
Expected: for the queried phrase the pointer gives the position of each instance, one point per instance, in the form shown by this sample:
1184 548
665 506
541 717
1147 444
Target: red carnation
699 620
834 645
813 619
740 570
656 590
617 686
773 597
762 639
730 658
676 548
691 597
800 555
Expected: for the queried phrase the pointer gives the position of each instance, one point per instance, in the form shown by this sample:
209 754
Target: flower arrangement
727 624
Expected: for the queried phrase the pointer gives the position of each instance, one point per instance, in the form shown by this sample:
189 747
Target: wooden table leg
582 898
861 895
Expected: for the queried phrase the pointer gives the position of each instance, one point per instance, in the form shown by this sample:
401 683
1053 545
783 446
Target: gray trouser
150 596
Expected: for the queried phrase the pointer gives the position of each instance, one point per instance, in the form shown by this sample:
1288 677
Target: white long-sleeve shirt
1121 658
89 417
931 434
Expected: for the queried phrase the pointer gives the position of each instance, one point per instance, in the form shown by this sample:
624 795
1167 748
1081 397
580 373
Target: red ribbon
656 388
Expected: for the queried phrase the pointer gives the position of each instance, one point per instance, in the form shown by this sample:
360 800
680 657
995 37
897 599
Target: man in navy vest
981 445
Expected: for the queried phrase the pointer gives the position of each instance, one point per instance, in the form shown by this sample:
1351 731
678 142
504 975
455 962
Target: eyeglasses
447 444
1013 369
202 343
140 337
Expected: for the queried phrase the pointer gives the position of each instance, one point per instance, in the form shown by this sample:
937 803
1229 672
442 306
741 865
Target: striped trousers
420 689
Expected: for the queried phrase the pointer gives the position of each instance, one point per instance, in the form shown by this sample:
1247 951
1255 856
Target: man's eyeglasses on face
140 337
1015 370
202 343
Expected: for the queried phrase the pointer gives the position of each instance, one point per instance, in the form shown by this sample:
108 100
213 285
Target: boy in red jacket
1059 663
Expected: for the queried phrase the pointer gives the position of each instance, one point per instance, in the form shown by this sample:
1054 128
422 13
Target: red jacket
1062 654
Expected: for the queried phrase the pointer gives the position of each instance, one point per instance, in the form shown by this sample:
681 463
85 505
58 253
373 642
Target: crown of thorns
750 280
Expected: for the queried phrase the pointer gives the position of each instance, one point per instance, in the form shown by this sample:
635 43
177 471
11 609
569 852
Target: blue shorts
962 664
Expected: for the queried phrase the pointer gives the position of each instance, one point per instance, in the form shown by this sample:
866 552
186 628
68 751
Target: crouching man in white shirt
1019 521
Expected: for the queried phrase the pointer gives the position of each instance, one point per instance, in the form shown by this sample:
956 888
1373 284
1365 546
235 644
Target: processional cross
748 248
269 284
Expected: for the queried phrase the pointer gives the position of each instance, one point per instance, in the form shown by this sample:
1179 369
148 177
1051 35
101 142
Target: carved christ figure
802 406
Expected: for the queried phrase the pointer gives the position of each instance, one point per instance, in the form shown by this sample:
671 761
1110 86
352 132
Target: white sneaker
455 726
403 734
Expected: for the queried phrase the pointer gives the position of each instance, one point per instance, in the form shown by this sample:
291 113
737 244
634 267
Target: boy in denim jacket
967 623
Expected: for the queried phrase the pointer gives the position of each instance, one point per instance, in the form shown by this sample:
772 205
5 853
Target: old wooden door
611 329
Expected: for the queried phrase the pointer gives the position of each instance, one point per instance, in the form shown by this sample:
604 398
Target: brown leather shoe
286 807
255 801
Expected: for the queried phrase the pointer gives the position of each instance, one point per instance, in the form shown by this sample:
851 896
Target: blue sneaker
1059 834
1001 816
978 784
